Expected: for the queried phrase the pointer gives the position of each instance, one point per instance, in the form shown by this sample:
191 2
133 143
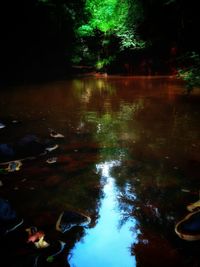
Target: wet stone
69 219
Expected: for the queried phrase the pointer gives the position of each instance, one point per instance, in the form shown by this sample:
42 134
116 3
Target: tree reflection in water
142 134
109 237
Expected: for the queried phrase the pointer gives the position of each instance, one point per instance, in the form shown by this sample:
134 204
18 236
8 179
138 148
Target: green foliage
127 28
190 73
111 17
128 40
83 55
76 59
85 30
112 23
102 14
102 63
111 128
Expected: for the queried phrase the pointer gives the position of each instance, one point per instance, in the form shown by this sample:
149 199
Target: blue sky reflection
108 243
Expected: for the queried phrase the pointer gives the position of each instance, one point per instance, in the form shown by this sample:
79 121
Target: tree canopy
116 36
112 24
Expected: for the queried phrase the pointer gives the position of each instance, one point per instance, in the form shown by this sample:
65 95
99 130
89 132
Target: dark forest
39 39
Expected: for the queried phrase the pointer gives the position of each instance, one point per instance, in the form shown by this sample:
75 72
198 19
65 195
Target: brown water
129 159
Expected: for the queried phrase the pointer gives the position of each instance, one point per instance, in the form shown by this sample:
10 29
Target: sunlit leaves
102 14
103 62
85 30
128 40
112 24
190 73
108 16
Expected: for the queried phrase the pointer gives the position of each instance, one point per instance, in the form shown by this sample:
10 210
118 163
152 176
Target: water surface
129 160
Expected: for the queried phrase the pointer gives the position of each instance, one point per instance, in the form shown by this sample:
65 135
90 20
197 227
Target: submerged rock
51 148
69 219
8 218
6 211
6 152
51 160
2 125
30 146
54 134
196 205
189 227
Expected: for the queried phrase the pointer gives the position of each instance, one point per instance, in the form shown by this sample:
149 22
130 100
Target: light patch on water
107 244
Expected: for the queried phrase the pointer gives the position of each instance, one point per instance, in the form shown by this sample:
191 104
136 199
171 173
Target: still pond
128 158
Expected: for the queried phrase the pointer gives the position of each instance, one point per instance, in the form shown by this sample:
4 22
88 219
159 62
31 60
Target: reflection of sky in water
107 244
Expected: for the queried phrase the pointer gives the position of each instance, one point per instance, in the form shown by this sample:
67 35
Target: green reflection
85 88
111 129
